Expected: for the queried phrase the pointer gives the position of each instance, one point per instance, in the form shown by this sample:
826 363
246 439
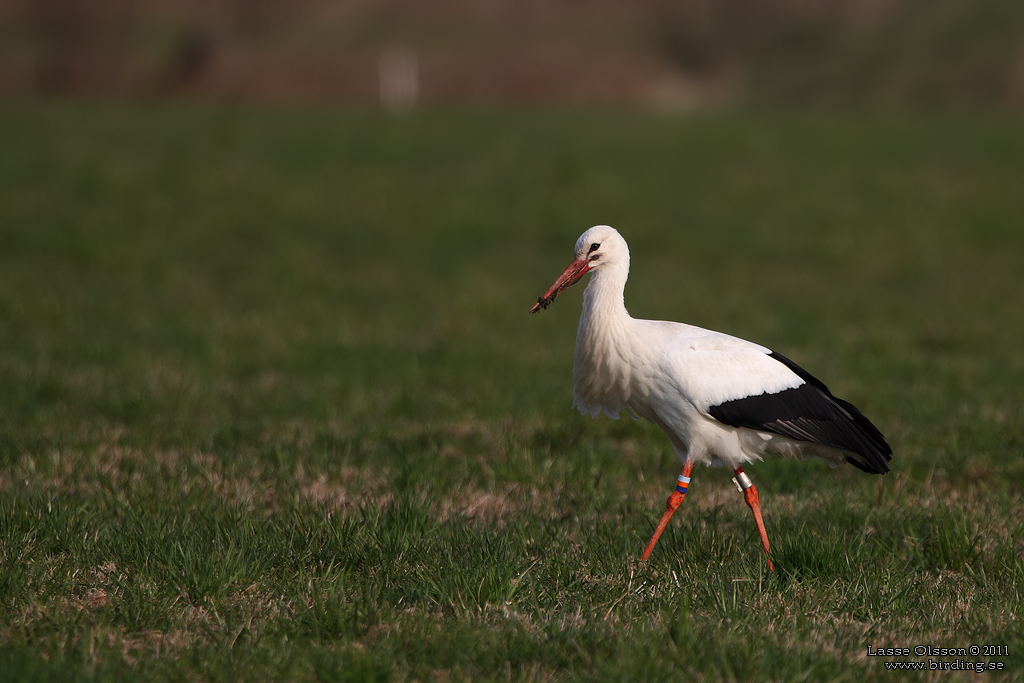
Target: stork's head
600 247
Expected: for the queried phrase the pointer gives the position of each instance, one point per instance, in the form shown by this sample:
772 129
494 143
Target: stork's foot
750 495
670 507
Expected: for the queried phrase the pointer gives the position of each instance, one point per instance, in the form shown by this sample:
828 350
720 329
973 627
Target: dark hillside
668 53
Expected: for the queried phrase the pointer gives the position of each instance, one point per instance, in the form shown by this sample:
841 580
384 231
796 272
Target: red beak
577 269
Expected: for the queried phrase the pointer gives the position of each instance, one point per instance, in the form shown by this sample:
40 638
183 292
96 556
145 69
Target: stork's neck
603 299
605 325
605 344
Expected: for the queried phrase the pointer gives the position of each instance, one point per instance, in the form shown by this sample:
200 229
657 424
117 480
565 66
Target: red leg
750 495
670 507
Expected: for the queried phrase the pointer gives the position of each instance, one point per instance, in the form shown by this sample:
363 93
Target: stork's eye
593 247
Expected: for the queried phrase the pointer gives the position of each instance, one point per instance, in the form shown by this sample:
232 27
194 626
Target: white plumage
720 399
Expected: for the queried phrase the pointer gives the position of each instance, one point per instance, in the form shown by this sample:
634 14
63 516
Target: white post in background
399 79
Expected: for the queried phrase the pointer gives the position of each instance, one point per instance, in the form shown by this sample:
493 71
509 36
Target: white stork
720 399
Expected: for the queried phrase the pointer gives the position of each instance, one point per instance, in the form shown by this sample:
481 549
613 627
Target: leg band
741 480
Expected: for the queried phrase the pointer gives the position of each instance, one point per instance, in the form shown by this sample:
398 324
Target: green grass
273 406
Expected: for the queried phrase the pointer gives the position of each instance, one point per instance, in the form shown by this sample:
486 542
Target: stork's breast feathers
603 368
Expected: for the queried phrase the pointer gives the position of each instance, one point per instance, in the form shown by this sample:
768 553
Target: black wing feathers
810 413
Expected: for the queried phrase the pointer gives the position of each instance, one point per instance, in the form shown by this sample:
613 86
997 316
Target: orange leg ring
670 507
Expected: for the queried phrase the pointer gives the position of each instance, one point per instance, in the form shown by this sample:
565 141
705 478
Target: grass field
273 407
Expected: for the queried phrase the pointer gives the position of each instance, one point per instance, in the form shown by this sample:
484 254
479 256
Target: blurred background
673 54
